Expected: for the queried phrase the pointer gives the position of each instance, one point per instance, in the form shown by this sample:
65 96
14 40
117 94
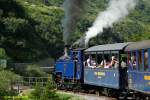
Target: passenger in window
91 62
105 63
114 63
132 62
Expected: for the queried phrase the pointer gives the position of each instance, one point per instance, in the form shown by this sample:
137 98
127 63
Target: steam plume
73 9
80 42
116 10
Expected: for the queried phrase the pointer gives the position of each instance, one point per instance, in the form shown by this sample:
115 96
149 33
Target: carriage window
138 60
90 61
86 56
105 63
145 60
132 60
115 60
140 67
109 60
99 60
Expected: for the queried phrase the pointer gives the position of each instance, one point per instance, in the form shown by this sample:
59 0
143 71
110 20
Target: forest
31 30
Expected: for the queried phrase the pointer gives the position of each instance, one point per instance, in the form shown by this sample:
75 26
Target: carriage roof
108 47
138 45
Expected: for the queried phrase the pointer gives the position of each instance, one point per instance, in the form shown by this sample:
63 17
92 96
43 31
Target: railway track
87 96
95 95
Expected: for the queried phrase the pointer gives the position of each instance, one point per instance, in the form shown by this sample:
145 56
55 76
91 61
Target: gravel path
87 96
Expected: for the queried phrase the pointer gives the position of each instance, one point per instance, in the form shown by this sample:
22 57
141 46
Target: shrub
34 70
49 92
46 93
37 93
6 79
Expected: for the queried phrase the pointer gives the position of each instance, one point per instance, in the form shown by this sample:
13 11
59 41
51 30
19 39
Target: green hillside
31 30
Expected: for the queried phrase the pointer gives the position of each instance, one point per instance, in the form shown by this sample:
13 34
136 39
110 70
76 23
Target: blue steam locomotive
120 68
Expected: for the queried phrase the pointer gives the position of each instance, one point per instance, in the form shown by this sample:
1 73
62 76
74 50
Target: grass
27 92
68 96
61 95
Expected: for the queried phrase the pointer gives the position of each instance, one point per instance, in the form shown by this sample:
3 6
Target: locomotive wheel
147 98
131 96
122 96
106 92
58 85
137 98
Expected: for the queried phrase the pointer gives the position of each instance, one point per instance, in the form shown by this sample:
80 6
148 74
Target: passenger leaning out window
114 63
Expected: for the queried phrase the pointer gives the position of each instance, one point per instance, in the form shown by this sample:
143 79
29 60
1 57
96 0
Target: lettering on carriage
99 73
146 77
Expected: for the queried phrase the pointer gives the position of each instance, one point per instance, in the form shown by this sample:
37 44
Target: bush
37 93
6 79
46 93
34 70
49 92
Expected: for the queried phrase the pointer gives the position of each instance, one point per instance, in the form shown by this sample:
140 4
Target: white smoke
116 10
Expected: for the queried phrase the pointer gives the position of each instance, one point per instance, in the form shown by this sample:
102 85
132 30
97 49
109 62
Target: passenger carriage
139 69
113 77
